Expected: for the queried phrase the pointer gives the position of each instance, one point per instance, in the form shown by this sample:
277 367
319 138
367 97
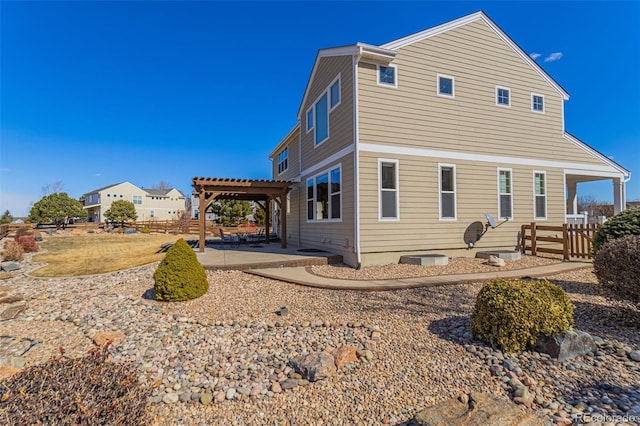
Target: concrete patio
218 256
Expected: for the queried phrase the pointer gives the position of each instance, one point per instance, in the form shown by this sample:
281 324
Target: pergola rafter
210 190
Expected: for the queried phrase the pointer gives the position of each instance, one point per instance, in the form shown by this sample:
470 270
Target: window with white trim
537 103
540 194
503 96
447 179
318 114
283 160
387 76
324 196
505 194
335 94
446 86
388 184
137 199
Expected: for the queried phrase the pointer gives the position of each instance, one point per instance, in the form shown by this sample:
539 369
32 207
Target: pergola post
267 218
202 220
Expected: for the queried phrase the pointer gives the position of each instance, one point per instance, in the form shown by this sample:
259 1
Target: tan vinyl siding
413 115
293 167
420 227
340 119
336 237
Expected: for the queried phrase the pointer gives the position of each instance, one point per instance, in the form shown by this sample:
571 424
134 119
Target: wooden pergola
261 191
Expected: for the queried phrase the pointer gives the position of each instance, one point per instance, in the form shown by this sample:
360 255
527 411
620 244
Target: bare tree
594 207
162 185
54 188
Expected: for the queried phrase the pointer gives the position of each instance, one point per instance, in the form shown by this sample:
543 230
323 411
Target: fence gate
573 240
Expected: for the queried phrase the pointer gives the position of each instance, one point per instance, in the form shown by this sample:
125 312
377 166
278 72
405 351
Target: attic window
503 97
445 86
387 76
537 103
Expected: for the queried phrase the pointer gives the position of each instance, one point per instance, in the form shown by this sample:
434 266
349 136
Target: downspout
356 159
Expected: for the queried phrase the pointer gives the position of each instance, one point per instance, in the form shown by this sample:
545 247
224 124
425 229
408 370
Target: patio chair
232 241
255 239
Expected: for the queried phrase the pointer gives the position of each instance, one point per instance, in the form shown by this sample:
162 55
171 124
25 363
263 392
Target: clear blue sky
95 93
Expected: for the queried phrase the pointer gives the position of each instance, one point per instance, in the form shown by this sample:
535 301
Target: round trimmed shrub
617 266
512 314
180 276
627 222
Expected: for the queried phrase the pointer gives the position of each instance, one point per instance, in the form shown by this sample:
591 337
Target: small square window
537 103
387 76
503 96
445 86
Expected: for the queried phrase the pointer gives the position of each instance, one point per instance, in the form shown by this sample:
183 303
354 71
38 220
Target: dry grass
69 256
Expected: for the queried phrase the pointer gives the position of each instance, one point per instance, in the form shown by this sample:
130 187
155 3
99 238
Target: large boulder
314 366
566 345
477 409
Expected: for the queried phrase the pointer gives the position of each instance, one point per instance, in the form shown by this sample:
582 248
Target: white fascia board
422 35
586 148
282 143
469 156
325 53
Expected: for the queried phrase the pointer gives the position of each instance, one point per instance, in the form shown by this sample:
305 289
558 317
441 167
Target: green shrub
145 230
12 251
512 314
617 266
180 276
624 223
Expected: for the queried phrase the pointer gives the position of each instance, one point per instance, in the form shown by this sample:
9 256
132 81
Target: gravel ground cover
457 265
232 346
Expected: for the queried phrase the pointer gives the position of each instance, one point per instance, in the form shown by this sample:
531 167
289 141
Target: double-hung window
324 196
503 96
537 103
283 160
540 194
388 184
137 199
318 114
505 194
447 191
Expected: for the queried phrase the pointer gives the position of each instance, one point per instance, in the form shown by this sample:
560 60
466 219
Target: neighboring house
402 148
150 204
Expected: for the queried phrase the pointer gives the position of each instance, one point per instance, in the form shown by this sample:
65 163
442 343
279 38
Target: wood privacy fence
574 240
4 230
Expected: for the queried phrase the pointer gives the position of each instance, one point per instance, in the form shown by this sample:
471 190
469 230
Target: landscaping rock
478 409
566 345
345 355
634 355
11 298
12 311
314 366
496 261
107 336
7 371
9 266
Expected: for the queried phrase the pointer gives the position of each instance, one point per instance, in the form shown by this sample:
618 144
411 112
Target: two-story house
402 148
150 204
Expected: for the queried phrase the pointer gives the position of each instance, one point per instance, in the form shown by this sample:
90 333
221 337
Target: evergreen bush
624 223
617 266
180 276
512 314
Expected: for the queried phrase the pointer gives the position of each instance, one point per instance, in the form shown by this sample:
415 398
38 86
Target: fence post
523 239
534 251
565 242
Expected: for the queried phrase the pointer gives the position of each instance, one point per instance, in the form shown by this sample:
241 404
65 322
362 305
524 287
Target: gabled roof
104 187
600 156
477 16
387 52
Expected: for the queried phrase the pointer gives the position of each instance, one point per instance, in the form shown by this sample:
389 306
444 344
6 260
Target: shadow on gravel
149 294
620 322
433 300
588 289
455 329
598 389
